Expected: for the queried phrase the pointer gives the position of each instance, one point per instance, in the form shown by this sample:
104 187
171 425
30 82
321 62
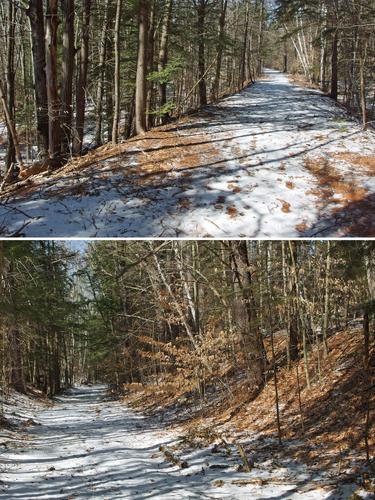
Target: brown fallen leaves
332 408
302 227
349 202
285 206
232 212
364 162
156 153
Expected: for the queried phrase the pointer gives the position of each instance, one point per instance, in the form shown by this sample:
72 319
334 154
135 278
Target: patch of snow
263 134
89 447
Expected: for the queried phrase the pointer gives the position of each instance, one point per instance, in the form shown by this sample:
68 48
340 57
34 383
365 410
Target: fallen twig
173 459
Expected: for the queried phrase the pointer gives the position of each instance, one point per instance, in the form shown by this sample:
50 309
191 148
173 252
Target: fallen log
260 481
46 165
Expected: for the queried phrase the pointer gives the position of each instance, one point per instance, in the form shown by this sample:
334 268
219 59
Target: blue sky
77 245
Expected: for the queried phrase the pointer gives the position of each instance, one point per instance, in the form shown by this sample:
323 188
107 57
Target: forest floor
84 445
275 160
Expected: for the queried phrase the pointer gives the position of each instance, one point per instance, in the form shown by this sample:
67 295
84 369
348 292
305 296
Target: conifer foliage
77 73
186 314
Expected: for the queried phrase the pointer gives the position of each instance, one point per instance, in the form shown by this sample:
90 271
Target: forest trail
275 160
86 446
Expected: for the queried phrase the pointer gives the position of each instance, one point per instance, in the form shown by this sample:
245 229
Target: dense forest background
135 311
276 336
77 73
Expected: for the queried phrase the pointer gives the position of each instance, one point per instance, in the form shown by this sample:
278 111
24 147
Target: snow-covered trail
88 447
275 160
85 447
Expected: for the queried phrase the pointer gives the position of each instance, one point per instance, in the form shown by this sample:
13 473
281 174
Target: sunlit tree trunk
67 71
51 75
141 87
82 79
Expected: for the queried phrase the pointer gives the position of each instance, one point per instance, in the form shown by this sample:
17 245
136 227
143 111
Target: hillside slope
86 443
326 434
274 160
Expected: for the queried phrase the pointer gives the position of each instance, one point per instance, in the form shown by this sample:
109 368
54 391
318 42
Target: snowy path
276 160
87 447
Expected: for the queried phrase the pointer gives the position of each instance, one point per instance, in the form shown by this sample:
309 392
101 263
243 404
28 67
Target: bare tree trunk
36 16
11 126
300 312
293 324
116 109
10 84
326 298
367 381
254 342
362 77
334 73
220 47
201 13
260 38
51 74
150 64
163 55
285 67
82 80
323 50
14 335
109 84
274 365
244 47
100 91
17 379
141 88
67 70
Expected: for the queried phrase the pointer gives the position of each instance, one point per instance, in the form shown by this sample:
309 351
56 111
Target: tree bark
51 74
163 55
326 298
293 324
116 109
67 71
334 63
100 91
244 47
220 48
253 339
151 34
141 87
362 86
10 84
82 80
11 126
260 38
201 20
17 379
36 16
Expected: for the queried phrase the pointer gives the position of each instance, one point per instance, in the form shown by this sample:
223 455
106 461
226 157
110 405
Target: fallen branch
11 125
18 233
173 459
246 464
48 165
